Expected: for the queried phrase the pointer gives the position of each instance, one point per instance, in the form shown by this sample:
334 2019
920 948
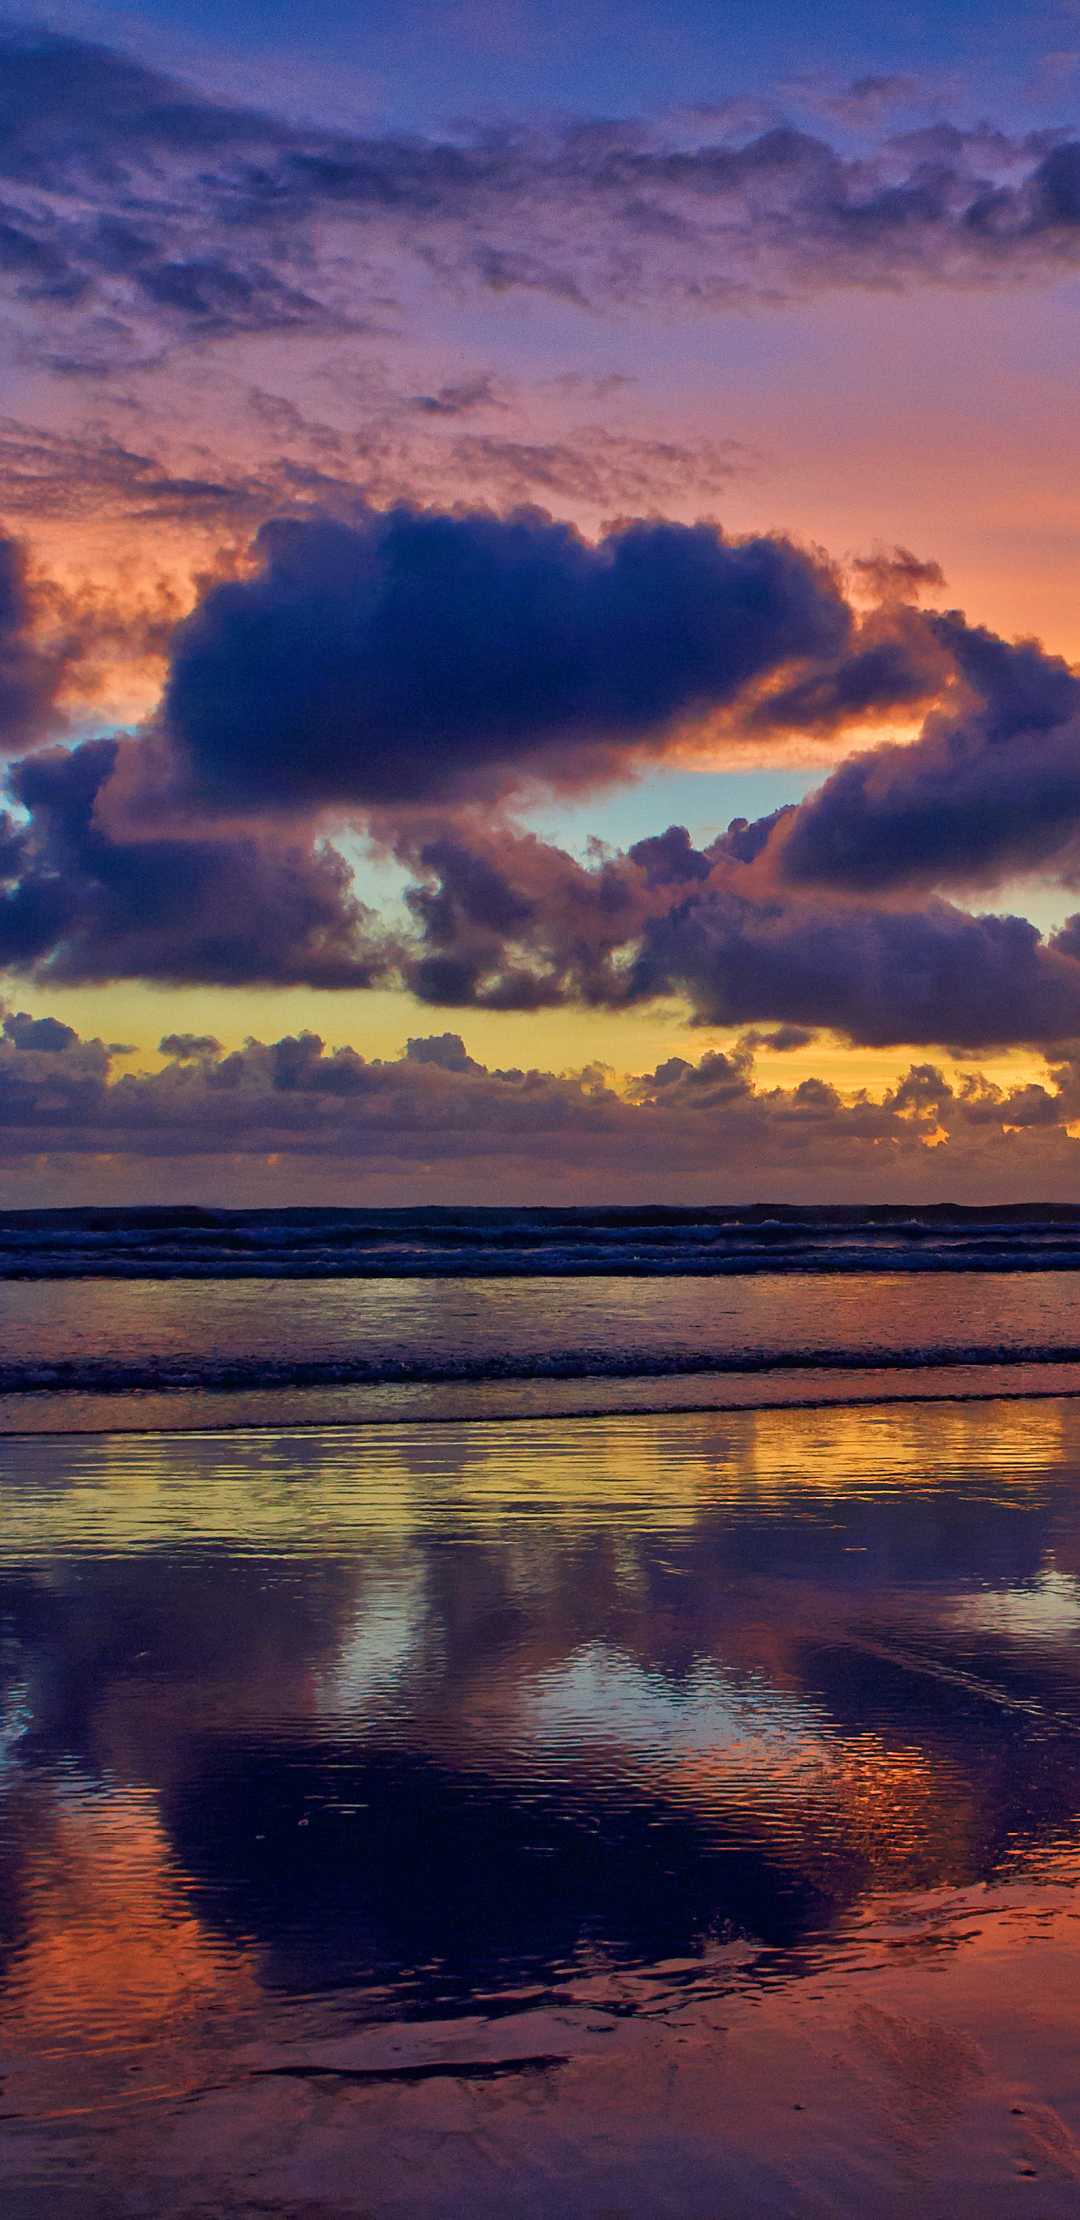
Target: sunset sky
538 610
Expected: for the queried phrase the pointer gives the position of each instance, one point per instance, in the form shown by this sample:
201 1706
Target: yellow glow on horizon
378 1024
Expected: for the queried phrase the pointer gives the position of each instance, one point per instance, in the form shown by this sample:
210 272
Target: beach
666 1812
539 1110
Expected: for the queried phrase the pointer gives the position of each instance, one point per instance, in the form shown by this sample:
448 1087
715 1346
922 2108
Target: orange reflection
114 1956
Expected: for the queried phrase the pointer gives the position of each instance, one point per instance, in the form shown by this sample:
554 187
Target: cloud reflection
407 1716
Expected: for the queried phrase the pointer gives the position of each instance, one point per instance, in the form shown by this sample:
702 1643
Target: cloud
517 924
137 212
31 1033
307 466
77 904
879 976
782 1041
447 1050
504 920
32 667
869 99
588 465
703 1127
412 656
460 399
189 1048
512 922
411 669
48 474
60 645
983 794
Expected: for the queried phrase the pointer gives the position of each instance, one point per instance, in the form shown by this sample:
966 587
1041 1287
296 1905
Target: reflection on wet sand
667 1814
110 1952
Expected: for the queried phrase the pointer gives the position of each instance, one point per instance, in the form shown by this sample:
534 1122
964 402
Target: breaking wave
188 1243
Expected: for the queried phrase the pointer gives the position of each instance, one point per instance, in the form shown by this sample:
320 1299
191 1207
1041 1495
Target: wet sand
550 1822
940 2080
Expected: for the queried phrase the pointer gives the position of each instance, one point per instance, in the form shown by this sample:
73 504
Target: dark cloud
447 1050
989 792
409 665
77 904
48 1034
670 858
879 976
678 1129
890 675
511 922
138 211
416 656
782 1041
189 1048
519 924
507 921
109 163
460 399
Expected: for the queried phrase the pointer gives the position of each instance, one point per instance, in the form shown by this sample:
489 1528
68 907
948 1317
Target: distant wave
187 1243
238 1375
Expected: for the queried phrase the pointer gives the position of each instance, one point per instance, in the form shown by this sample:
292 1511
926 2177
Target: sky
538 616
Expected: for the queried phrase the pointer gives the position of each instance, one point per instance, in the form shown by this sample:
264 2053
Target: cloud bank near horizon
703 1127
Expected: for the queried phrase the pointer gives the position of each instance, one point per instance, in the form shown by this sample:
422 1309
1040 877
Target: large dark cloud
78 904
137 210
680 1128
415 656
991 791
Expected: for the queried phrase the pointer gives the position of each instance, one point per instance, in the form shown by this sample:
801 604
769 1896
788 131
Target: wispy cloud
399 453
137 212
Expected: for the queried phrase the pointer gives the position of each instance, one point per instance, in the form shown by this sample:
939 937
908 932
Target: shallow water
99 1355
656 1814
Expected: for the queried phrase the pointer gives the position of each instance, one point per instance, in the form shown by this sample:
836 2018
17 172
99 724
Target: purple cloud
984 793
76 904
415 657
137 212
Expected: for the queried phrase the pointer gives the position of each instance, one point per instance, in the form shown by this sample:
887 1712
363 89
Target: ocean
597 1734
118 1320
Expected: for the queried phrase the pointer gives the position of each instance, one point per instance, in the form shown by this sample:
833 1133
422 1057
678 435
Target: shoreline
845 1398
